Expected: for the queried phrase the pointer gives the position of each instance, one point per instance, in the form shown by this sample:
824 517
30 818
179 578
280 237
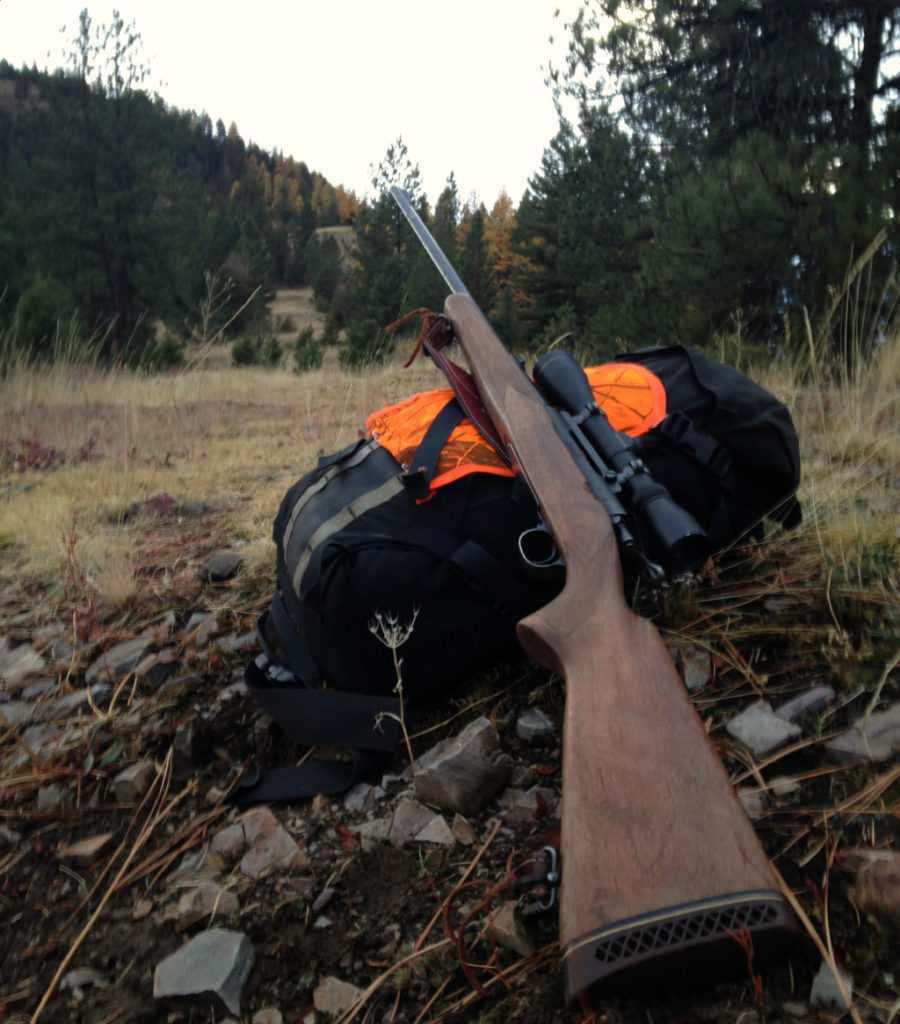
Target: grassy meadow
79 446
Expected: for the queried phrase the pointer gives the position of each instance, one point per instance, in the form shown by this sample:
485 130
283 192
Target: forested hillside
724 174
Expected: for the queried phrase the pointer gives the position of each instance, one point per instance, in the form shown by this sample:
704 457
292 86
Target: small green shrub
245 352
307 351
162 355
271 352
366 342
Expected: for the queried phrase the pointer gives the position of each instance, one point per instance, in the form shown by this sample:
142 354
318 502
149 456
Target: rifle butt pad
683 946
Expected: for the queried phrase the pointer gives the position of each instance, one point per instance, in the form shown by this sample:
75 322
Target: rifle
663 877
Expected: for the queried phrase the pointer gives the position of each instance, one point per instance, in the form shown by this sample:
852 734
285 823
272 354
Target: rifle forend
662 874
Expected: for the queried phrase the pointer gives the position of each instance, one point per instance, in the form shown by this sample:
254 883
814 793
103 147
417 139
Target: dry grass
217 434
212 434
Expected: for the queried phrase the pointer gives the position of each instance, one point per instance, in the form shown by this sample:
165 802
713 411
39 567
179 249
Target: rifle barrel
453 280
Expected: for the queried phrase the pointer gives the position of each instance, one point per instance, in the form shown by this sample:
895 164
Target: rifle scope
670 535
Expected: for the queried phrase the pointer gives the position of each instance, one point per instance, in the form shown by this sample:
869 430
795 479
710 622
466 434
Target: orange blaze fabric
633 399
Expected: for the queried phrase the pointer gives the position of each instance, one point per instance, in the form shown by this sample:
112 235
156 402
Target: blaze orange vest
632 397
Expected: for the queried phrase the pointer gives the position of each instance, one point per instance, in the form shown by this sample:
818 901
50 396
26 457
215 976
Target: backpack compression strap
312 716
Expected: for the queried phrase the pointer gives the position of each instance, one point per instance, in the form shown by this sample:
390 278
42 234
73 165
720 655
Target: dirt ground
346 909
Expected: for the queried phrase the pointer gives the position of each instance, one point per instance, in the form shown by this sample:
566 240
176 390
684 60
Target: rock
795 1009
410 817
229 843
9 836
206 902
694 665
83 852
154 669
18 662
323 899
534 725
268 1015
333 996
80 978
39 688
76 701
462 774
214 965
436 831
362 797
826 992
17 713
783 786
133 782
143 908
876 886
806 703
270 845
115 663
508 929
521 805
875 737
760 730
372 832
222 565
54 797
462 831
201 626
753 801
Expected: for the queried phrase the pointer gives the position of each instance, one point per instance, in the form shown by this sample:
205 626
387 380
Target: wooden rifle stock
662 873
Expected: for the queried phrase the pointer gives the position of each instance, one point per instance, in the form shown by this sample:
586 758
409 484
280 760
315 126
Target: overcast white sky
335 82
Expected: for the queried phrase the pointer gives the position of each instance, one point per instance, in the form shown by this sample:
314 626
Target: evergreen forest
726 173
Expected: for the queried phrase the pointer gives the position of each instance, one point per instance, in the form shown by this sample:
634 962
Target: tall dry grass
219 434
224 436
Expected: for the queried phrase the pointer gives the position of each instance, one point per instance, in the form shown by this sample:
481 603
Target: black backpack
353 543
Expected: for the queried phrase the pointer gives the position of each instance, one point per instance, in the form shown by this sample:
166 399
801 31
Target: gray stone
155 668
76 701
333 996
753 801
118 661
207 901
362 797
80 978
323 899
39 688
410 817
437 831
270 845
214 966
222 565
9 836
83 852
229 843
806 703
875 738
54 797
463 831
18 662
534 725
268 1015
508 930
462 774
826 993
17 713
694 665
133 782
524 805
760 729
201 626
